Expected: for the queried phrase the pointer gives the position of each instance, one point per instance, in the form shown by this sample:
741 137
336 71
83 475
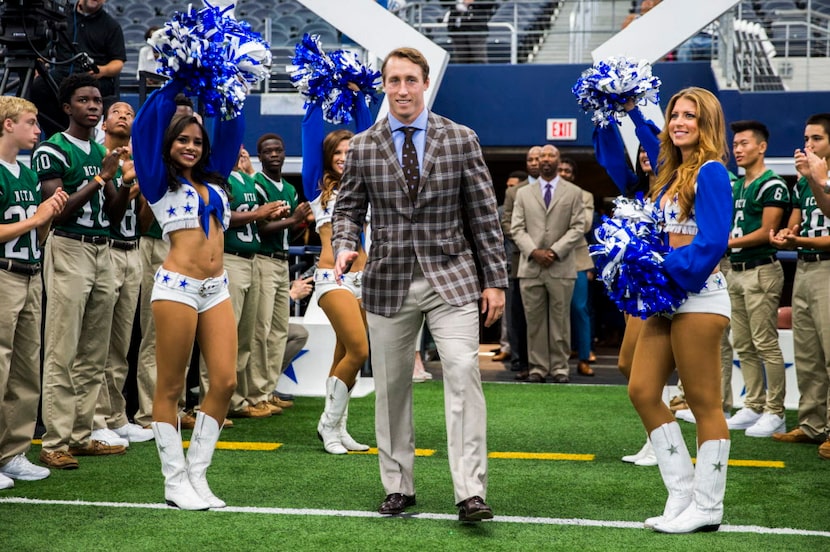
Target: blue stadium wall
508 105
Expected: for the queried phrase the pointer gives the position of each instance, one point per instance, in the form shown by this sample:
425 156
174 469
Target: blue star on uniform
326 210
673 215
189 193
673 449
326 275
188 208
225 280
718 466
165 278
719 281
183 284
171 211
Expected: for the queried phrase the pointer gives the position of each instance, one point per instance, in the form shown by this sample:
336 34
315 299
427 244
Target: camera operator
91 31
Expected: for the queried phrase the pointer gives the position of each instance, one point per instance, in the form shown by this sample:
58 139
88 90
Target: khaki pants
20 303
455 330
547 304
243 287
111 410
80 296
755 295
811 341
152 251
271 331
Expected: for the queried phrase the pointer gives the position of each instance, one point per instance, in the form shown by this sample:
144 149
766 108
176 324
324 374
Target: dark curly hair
74 82
200 171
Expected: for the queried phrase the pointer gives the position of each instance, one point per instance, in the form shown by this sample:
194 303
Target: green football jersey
768 190
813 222
66 158
19 199
127 229
243 197
268 190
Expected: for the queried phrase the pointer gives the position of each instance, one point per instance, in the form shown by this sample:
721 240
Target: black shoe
474 509
284 396
396 503
561 378
535 378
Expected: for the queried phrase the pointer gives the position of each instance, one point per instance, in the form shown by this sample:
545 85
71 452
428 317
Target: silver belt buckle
209 286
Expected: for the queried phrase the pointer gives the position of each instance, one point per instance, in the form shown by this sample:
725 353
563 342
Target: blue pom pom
324 79
218 57
629 255
602 89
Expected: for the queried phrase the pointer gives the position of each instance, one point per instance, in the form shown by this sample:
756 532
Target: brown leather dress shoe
824 450
501 356
97 448
521 375
395 504
536 378
474 509
796 435
584 368
561 378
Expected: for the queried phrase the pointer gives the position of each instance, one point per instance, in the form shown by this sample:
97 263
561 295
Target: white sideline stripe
447 517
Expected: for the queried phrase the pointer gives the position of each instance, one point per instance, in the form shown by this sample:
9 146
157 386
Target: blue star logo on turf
289 370
189 193
188 208
183 284
166 278
171 211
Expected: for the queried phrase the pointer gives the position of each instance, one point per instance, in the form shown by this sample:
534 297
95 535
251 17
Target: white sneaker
134 433
20 468
5 482
109 437
685 415
766 425
743 419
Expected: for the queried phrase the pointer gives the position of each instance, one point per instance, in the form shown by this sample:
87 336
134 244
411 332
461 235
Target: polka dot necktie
409 161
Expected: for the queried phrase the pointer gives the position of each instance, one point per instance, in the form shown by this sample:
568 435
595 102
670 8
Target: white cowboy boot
345 439
199 455
337 399
676 469
644 457
706 510
178 492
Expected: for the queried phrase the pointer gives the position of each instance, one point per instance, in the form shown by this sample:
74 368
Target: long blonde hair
677 176
331 178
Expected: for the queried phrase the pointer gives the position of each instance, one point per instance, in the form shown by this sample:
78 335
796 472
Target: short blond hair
12 107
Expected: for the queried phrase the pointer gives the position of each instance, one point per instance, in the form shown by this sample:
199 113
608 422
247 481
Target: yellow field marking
418 452
542 456
243 445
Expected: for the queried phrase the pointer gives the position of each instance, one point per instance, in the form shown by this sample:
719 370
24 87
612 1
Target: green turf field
573 493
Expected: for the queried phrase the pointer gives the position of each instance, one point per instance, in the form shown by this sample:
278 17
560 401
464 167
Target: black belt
813 257
95 240
281 255
243 254
124 245
29 269
740 267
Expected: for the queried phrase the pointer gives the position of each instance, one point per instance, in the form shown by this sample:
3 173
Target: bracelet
125 184
100 180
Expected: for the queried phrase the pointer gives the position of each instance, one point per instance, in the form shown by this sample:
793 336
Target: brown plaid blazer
454 182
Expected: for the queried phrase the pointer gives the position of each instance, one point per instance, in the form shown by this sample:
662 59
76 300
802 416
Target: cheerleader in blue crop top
694 191
185 183
323 163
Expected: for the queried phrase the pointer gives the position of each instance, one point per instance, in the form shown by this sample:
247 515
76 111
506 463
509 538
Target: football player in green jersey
24 223
78 275
760 198
808 231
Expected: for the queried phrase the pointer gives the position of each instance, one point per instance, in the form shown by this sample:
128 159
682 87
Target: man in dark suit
548 222
423 175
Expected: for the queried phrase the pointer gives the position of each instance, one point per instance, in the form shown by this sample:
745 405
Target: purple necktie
547 195
409 161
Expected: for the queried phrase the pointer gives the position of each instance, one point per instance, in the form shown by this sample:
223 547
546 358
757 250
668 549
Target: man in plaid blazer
421 265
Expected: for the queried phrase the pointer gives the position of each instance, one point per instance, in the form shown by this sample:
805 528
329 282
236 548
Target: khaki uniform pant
271 332
20 303
80 296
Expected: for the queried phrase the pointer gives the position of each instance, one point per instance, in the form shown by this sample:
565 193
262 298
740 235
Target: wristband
97 178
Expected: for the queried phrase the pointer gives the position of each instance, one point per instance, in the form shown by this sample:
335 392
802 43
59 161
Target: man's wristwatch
827 186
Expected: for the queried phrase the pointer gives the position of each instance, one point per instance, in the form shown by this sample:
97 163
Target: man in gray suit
548 222
424 175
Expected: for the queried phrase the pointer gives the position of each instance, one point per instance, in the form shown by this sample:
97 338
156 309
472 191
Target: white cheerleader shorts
202 295
713 298
324 282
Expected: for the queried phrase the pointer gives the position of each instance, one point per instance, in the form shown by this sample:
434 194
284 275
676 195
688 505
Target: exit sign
561 129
